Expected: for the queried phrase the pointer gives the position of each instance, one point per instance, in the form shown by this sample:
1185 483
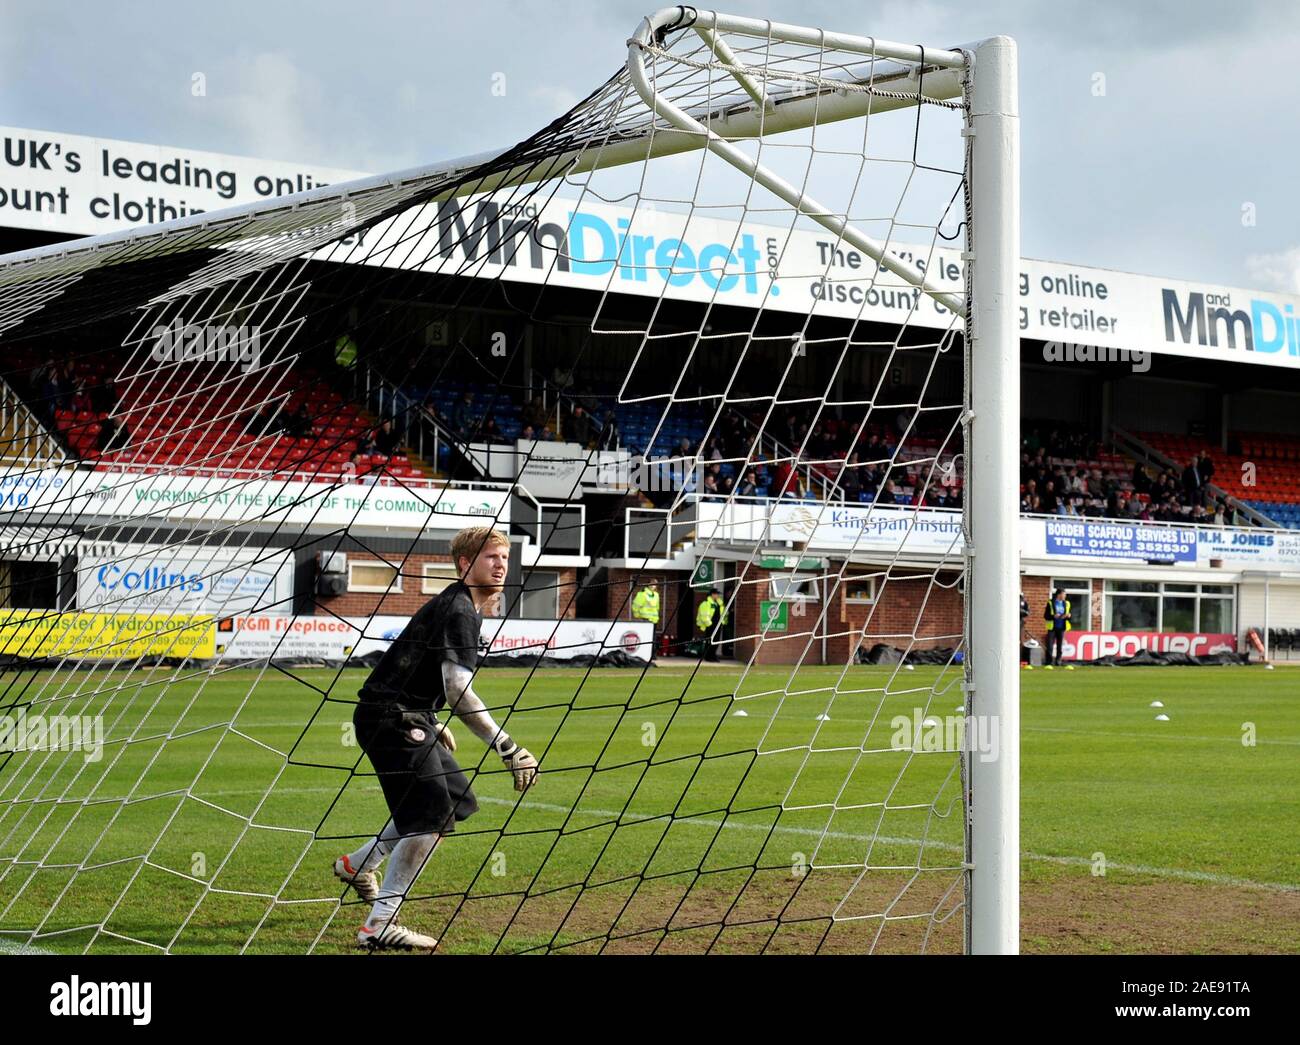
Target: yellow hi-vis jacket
645 605
704 615
1049 615
345 352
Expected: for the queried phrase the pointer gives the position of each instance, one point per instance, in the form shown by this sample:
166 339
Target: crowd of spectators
1060 475
55 386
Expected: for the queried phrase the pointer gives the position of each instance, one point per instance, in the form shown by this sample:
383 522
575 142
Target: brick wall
917 611
906 605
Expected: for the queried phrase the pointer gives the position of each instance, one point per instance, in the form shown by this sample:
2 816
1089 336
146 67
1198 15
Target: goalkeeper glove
519 761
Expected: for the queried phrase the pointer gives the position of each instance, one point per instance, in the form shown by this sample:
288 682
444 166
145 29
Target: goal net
760 286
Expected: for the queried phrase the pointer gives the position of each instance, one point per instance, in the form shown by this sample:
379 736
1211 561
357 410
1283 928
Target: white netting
777 806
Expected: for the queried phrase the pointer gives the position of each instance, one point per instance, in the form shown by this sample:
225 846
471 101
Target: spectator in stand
527 434
748 486
1142 481
1192 482
113 435
609 434
581 428
490 431
266 421
1050 501
80 401
535 414
875 450
783 478
887 494
710 490
850 478
1219 517
103 397
547 436
463 416
796 488
386 441
1206 468
299 423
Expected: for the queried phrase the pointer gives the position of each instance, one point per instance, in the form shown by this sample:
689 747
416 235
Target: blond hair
473 539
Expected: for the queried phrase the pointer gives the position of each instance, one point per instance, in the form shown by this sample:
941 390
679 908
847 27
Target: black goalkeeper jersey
446 628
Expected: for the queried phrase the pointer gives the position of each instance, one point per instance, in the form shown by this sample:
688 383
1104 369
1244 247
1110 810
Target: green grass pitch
663 820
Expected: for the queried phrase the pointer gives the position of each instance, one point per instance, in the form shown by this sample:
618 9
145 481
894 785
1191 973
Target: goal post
880 306
992 443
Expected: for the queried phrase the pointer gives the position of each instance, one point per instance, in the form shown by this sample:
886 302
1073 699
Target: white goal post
727 97
993 371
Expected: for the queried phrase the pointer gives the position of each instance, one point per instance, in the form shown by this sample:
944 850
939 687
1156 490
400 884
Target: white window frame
370 589
858 578
437 571
1073 586
812 594
1160 594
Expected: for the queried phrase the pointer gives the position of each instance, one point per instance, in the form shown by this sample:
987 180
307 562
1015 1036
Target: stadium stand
1261 470
152 423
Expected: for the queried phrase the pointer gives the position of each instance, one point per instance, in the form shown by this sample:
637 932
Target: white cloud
266 100
1277 271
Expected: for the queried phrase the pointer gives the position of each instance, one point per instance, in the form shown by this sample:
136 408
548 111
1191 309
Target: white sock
370 855
409 856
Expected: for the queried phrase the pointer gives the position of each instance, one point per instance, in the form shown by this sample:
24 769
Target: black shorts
425 789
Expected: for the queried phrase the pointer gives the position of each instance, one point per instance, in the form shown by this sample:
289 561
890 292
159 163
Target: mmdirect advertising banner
1092 645
1077 309
77 184
105 636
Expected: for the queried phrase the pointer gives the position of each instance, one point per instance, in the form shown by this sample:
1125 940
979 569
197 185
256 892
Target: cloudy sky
1181 159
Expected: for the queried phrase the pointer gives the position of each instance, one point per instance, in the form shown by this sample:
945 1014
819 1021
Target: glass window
1217 615
436 576
373 576
1217 589
1143 586
1181 587
793 586
540 599
1077 591
859 588
1133 612
1179 613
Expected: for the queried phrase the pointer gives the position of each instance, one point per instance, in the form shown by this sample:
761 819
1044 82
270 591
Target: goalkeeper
431 663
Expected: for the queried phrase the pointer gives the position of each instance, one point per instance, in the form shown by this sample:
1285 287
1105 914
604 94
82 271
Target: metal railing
23 438
421 429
